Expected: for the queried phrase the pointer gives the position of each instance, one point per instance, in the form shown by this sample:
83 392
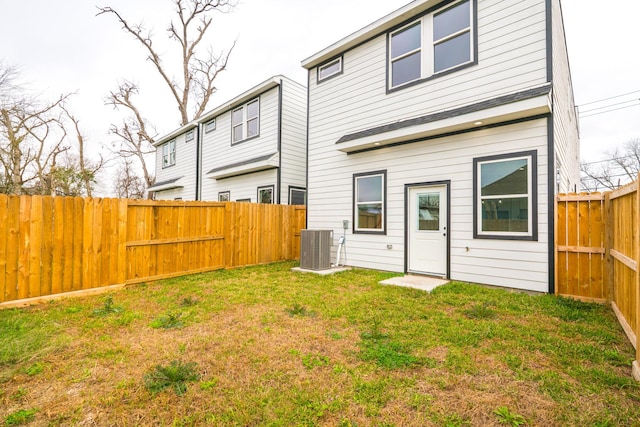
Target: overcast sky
62 46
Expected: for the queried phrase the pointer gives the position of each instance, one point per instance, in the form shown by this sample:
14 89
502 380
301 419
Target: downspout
279 171
551 153
198 162
306 211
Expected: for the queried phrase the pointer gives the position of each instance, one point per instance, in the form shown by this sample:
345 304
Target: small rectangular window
265 194
169 153
224 196
210 126
297 196
244 200
189 136
330 69
369 208
505 194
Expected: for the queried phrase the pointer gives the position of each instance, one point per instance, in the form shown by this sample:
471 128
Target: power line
609 106
611 97
608 111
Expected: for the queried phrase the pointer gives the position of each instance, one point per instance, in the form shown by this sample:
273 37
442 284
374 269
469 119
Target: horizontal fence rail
598 253
55 245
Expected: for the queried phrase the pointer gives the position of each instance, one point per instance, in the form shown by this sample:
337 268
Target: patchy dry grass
265 346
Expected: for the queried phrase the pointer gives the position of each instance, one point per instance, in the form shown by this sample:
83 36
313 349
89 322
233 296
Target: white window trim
326 65
383 202
245 121
427 58
210 126
529 196
265 188
302 190
169 154
222 193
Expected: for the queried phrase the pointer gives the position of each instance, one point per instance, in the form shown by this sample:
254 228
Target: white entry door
427 228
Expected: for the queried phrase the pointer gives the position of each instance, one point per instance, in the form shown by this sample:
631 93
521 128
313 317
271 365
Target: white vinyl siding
565 122
510 263
511 58
217 152
185 159
293 164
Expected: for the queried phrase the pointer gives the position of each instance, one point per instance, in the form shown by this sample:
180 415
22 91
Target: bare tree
31 137
128 184
619 167
136 133
196 84
84 169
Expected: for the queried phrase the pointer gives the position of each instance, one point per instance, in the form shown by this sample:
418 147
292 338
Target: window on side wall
297 196
224 196
265 194
169 153
505 193
439 41
189 136
369 202
245 121
330 69
210 126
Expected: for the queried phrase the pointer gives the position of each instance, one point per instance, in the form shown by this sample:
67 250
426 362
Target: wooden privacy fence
598 253
53 245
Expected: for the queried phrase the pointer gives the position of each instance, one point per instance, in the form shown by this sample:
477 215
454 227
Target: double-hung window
245 121
505 196
437 42
369 208
169 153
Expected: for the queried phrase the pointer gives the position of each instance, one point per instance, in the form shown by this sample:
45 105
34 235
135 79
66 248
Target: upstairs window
452 37
189 136
245 121
169 153
330 69
436 42
210 126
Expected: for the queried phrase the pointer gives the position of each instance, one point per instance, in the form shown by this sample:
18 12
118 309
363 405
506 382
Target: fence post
608 244
636 235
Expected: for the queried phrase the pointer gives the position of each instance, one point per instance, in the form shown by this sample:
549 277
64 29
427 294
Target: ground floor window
224 196
505 201
265 194
297 196
369 202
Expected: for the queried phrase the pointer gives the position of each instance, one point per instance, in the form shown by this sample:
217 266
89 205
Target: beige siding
566 137
294 138
184 166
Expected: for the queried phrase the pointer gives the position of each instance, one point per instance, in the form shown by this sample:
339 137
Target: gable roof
372 30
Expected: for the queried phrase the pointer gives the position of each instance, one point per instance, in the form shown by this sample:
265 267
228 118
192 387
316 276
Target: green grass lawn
266 346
